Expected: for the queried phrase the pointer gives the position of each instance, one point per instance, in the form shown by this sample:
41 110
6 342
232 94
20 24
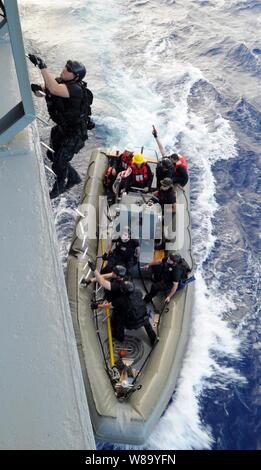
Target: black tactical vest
66 112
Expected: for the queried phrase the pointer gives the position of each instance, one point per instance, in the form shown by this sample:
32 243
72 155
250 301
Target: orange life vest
140 174
126 160
108 177
124 173
182 163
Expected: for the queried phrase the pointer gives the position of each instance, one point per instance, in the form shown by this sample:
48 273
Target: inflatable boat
128 384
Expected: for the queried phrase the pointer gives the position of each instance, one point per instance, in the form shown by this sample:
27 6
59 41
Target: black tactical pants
117 319
118 325
180 179
114 259
65 145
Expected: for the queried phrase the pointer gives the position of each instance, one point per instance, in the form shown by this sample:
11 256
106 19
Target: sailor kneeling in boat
164 169
125 251
179 163
168 276
142 175
138 175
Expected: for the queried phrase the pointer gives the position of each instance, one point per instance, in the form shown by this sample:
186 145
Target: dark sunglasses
69 69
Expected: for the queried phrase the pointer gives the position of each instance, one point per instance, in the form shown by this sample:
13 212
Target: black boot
73 177
57 189
147 299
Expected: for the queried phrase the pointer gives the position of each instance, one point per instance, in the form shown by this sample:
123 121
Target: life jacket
108 177
181 163
140 174
124 173
136 311
126 160
70 112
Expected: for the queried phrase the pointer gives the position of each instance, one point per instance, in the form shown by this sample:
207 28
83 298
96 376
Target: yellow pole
102 249
110 343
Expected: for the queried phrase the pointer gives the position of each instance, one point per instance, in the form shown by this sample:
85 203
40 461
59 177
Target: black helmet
174 156
119 270
127 287
76 67
166 163
175 257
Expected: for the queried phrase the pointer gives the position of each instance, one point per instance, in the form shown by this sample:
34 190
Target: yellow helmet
138 159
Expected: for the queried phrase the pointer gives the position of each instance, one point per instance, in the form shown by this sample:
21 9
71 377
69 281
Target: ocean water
193 69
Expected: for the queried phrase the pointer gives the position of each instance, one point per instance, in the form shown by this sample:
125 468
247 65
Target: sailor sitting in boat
142 175
125 251
166 195
168 277
137 176
180 167
118 164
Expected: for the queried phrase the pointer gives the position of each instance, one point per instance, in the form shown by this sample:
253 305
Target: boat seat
158 255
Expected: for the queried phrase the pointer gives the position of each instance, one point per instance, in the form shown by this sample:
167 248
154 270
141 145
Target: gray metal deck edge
43 402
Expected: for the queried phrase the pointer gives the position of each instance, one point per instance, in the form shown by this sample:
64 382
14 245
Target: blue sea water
193 69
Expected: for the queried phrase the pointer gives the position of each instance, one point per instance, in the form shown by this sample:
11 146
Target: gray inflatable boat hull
133 421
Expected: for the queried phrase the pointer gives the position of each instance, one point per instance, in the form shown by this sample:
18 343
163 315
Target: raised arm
102 281
99 277
55 88
155 135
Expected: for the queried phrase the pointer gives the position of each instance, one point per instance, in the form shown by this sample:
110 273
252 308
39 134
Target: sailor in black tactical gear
132 312
129 309
167 275
125 251
164 169
68 101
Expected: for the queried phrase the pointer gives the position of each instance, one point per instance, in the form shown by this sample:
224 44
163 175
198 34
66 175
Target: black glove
105 256
37 61
35 87
91 264
154 132
94 305
85 283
